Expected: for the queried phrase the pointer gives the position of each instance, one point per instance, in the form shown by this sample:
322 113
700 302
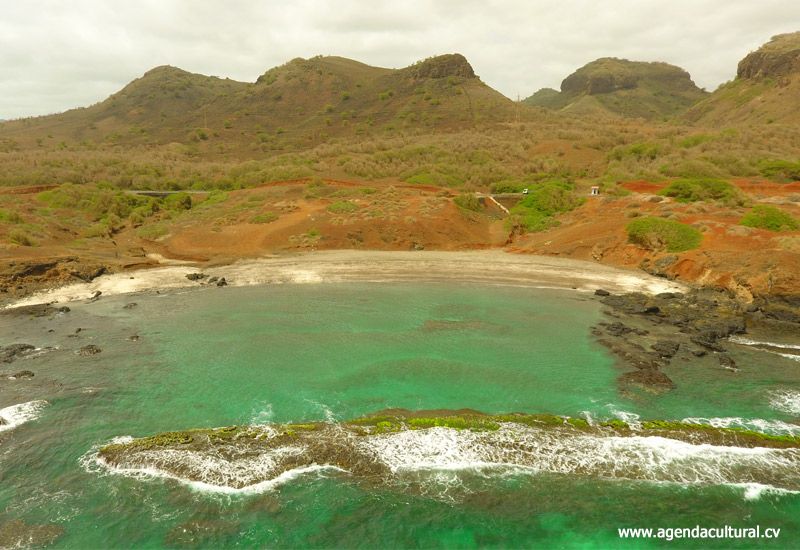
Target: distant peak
440 66
164 69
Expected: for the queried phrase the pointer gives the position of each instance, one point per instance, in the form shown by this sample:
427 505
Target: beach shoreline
480 267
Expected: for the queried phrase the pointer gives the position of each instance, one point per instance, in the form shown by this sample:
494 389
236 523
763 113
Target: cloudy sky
55 55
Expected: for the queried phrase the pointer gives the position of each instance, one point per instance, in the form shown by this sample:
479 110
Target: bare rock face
442 66
780 57
609 74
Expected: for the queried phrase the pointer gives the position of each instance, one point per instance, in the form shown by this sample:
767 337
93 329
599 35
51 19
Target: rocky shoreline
646 333
381 446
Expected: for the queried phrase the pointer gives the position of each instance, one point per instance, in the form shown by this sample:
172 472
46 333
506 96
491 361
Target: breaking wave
15 415
789 351
393 458
775 427
787 401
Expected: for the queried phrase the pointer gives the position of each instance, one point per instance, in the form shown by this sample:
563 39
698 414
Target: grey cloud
57 55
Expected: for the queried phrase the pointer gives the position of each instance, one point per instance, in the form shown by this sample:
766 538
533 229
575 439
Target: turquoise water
313 352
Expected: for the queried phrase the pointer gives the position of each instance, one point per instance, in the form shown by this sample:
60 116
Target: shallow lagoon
283 353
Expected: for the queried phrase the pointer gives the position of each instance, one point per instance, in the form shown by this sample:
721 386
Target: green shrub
342 207
9 216
658 233
267 217
508 186
695 140
17 236
544 201
771 218
468 201
703 189
782 170
178 201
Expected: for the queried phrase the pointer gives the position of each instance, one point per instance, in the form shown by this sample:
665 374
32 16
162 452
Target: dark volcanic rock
222 282
89 350
601 292
21 375
666 348
649 379
443 66
727 362
196 276
130 305
9 353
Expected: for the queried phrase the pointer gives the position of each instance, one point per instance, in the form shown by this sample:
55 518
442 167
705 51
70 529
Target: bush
508 186
782 170
468 201
770 218
178 201
537 210
9 216
342 207
658 233
704 189
267 217
17 236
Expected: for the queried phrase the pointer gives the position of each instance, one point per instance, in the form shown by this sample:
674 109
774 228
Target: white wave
791 356
787 401
264 416
16 415
654 459
748 342
757 424
754 491
631 419
144 472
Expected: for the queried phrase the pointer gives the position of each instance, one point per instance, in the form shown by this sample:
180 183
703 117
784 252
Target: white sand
485 267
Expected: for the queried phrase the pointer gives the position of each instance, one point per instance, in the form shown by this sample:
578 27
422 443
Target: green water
292 353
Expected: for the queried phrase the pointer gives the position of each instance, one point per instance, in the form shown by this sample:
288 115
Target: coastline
483 267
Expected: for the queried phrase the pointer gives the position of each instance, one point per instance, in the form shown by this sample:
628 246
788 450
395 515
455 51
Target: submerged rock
21 375
14 351
91 349
18 534
202 534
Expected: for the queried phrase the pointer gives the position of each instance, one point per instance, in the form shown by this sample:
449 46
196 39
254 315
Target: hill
622 88
304 101
766 88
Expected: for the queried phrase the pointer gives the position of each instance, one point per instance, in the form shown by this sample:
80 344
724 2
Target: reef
385 444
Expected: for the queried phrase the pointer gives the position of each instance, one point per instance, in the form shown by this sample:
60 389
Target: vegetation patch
780 170
704 189
266 217
537 211
468 201
657 234
771 218
342 207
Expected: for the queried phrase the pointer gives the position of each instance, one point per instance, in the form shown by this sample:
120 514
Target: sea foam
16 415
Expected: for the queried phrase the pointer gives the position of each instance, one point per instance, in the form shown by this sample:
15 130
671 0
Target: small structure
595 190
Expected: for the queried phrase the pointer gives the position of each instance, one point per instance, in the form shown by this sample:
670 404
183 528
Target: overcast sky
55 55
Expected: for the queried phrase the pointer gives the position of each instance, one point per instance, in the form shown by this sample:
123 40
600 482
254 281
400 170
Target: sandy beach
481 267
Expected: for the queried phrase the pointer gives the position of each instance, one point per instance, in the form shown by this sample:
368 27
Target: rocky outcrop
14 351
780 57
374 448
442 66
88 351
647 333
